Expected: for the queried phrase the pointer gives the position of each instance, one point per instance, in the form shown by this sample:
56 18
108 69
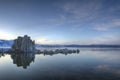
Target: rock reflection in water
23 59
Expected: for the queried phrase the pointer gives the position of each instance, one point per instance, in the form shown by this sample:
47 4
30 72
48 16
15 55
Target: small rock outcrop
23 44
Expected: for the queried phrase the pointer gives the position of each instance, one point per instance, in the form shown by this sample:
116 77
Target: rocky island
26 45
23 44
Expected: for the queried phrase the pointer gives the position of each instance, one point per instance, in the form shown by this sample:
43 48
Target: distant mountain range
76 45
8 44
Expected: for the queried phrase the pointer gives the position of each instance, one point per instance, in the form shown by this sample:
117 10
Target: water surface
89 64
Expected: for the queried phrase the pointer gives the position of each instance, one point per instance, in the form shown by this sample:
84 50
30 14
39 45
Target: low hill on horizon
8 44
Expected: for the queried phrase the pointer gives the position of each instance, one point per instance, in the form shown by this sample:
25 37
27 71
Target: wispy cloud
80 11
107 26
102 27
73 22
107 39
117 23
81 8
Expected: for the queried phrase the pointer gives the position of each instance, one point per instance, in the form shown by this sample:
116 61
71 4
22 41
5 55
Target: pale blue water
89 64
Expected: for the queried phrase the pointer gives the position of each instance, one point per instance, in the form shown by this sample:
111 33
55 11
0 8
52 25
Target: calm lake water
89 64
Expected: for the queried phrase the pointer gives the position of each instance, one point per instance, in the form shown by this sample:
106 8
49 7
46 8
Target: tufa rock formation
23 44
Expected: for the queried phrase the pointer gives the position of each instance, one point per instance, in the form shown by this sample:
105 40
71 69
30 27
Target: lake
88 64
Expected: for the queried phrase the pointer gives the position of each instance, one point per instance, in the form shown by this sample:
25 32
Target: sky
61 21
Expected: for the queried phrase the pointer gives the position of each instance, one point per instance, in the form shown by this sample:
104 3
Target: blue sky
61 21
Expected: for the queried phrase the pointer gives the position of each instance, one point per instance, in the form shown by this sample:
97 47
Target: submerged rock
23 44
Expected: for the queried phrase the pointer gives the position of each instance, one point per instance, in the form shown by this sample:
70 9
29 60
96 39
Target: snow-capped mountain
6 43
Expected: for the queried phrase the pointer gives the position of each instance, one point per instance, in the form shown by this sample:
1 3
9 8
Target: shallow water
89 64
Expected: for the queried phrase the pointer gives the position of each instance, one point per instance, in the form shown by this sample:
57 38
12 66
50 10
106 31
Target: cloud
47 41
107 39
117 23
103 39
81 8
102 27
88 12
42 40
7 36
107 26
77 12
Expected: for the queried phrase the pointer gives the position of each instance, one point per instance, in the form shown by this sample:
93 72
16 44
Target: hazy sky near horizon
61 21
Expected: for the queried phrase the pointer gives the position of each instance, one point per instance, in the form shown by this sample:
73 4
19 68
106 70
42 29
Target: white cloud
47 41
41 40
7 36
